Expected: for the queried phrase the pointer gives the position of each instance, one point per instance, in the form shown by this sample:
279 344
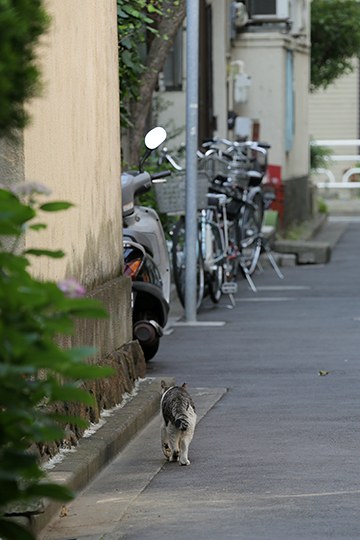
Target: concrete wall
73 147
221 54
265 57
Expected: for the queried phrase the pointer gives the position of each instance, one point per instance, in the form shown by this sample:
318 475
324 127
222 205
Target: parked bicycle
212 264
238 170
216 259
230 218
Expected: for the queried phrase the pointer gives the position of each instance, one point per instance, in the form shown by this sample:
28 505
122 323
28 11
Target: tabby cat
178 422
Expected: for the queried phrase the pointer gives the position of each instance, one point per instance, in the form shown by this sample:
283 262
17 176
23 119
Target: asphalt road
276 454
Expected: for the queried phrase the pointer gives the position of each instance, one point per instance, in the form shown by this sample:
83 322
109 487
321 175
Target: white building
334 116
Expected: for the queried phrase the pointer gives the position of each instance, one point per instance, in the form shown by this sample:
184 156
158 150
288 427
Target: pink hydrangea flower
71 288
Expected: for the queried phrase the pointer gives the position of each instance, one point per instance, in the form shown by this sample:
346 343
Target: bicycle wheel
179 265
215 267
249 229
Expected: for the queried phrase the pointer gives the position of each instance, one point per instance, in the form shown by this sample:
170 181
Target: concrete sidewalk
268 354
103 504
77 468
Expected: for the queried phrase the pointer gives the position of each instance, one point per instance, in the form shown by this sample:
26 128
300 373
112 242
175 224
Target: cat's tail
185 421
181 423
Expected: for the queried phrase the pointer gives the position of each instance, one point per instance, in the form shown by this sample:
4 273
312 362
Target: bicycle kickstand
271 258
249 280
232 300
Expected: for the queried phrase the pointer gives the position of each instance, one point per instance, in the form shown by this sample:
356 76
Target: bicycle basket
170 195
214 166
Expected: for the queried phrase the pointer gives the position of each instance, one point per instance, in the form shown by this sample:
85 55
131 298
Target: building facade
254 76
334 116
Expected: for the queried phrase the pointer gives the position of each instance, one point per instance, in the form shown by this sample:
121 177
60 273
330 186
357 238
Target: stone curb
314 248
93 453
306 251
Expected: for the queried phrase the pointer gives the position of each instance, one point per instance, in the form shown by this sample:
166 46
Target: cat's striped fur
178 422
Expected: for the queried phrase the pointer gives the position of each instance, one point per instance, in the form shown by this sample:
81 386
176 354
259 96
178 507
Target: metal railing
345 178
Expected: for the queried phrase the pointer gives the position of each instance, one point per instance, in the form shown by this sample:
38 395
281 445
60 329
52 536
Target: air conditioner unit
268 9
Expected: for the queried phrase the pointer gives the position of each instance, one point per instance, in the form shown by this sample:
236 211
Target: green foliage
319 156
36 375
21 24
322 207
335 39
134 21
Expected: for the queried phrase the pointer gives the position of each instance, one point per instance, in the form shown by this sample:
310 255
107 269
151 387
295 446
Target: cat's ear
163 385
184 385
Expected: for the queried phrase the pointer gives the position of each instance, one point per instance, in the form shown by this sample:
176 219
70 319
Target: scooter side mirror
155 137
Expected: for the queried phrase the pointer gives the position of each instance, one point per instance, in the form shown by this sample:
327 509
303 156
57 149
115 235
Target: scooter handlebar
155 177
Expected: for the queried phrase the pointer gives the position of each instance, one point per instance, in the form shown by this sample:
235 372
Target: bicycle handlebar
170 159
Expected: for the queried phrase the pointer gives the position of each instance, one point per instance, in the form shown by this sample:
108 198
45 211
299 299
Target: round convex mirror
155 137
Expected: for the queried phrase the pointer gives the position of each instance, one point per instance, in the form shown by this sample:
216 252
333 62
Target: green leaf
38 227
152 9
121 13
50 490
127 42
17 461
58 254
9 488
68 419
13 531
87 372
85 307
46 433
56 206
13 214
67 392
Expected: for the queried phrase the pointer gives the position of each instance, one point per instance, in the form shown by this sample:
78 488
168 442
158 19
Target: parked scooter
146 255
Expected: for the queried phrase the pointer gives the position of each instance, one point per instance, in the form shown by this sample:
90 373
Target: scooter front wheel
150 350
179 265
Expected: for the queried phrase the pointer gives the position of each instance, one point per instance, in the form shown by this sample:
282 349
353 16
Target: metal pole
192 82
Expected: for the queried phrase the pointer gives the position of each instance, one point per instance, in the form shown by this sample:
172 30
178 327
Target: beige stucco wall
73 145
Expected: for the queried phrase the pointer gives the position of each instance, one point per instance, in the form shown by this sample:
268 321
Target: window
263 7
173 69
268 9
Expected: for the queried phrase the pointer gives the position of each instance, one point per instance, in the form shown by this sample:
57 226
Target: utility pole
192 111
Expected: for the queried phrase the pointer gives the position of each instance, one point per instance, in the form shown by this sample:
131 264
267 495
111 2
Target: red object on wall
273 181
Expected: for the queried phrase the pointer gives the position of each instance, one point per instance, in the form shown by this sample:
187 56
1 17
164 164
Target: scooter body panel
147 298
145 228
146 255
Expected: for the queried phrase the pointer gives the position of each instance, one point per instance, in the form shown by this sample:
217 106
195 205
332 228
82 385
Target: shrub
35 373
21 24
